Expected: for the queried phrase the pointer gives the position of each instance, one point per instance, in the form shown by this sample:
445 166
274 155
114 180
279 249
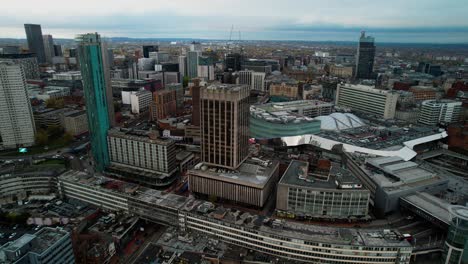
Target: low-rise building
76 122
251 184
48 245
301 195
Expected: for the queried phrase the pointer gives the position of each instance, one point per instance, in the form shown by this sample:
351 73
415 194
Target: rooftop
226 87
277 116
291 230
139 135
253 172
297 174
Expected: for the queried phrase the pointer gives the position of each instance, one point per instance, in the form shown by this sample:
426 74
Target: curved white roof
339 121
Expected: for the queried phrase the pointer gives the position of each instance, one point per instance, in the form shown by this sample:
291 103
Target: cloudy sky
437 21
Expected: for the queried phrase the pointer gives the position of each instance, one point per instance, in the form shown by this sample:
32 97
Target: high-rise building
196 46
196 102
48 47
183 66
17 127
164 104
98 94
192 63
149 48
457 237
232 62
434 112
367 100
365 57
27 60
35 41
58 50
225 114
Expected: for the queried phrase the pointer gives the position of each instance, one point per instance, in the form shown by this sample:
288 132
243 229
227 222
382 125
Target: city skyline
258 20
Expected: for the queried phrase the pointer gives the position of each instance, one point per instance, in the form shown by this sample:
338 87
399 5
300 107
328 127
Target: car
37 228
12 236
15 227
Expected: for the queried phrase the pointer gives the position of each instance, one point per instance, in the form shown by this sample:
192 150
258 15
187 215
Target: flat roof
297 175
430 204
252 172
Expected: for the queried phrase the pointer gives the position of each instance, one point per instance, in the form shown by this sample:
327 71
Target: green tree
42 138
54 130
186 81
67 138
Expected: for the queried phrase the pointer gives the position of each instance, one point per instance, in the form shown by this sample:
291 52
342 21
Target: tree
186 81
54 130
55 103
67 138
42 138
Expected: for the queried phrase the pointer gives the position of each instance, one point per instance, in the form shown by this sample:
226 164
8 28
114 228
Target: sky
407 21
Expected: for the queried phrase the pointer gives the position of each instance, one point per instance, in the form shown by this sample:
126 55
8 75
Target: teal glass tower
98 94
456 245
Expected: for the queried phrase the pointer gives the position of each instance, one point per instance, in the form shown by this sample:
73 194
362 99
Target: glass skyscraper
35 41
365 57
98 94
456 246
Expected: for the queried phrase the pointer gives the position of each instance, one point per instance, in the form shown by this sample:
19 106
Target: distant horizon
142 39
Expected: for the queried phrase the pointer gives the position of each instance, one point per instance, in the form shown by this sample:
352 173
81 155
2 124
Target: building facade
140 101
225 124
48 48
75 122
192 63
365 57
164 104
27 60
98 95
367 99
434 112
35 41
456 243
256 80
17 127
48 245
299 195
151 158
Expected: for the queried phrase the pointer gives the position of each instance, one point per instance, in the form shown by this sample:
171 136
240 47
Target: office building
192 63
195 91
342 71
58 51
232 62
281 90
75 122
140 101
141 156
225 124
48 245
27 60
183 66
67 76
35 41
159 56
98 94
149 48
179 93
367 100
301 194
164 104
146 64
48 48
365 57
434 112
251 183
457 237
17 127
256 80
9 49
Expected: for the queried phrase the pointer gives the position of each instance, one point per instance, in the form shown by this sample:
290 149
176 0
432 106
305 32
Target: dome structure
339 121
